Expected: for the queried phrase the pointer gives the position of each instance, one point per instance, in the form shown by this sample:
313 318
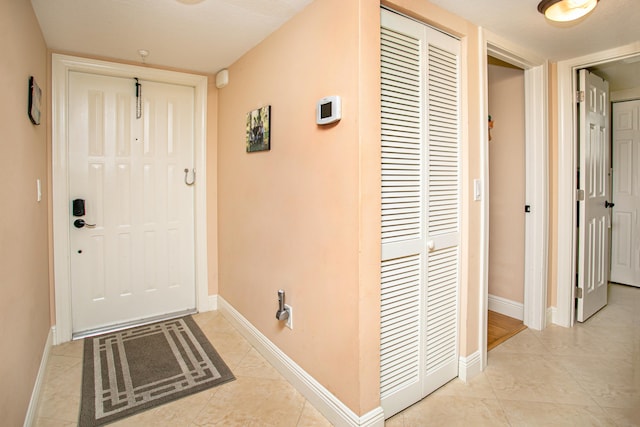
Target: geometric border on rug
145 366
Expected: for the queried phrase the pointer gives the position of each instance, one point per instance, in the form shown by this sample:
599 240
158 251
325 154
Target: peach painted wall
507 182
24 274
304 216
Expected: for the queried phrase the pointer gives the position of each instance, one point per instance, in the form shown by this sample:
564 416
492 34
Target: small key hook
186 177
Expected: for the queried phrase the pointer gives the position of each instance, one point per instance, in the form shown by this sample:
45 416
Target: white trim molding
551 315
470 366
62 65
322 399
567 166
507 307
32 410
213 303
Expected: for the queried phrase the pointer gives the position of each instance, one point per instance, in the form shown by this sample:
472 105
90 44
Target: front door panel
133 260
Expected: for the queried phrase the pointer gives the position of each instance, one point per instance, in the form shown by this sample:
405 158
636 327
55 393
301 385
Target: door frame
61 66
536 177
567 165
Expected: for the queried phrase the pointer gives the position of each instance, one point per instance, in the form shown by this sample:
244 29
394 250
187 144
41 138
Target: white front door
625 238
136 259
594 214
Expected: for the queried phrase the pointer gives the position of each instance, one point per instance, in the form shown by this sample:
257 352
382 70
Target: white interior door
136 260
420 210
594 212
625 238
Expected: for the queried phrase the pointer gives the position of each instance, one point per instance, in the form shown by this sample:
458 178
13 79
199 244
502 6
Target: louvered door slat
441 304
401 137
400 332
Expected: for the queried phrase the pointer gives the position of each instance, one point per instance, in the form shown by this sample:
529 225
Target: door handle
186 177
608 205
79 223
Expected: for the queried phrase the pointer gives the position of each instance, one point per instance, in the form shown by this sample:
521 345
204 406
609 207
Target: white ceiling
613 23
196 35
208 35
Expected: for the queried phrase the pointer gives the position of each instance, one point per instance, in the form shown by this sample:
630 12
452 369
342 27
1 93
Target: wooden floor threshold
500 328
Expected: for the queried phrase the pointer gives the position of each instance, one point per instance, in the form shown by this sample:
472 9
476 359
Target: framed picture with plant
259 129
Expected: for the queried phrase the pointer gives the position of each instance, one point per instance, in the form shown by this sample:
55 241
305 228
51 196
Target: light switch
38 190
477 189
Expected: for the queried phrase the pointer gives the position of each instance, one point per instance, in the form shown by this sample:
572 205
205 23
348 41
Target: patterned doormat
129 371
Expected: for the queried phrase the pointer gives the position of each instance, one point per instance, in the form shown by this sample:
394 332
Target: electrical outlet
289 323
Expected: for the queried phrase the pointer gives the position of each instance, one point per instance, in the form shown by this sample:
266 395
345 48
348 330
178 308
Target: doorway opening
568 140
534 305
624 88
507 204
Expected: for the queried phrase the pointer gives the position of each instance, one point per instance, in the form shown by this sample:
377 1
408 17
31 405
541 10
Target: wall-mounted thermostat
328 110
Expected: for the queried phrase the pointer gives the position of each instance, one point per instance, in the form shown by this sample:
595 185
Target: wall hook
186 176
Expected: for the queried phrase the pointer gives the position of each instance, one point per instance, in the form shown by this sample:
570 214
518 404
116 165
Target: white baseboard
212 303
469 367
506 307
32 410
322 399
552 313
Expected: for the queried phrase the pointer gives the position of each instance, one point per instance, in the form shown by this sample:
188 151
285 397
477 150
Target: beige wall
507 182
304 216
625 95
24 286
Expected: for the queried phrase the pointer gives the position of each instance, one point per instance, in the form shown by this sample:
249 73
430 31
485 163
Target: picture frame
259 129
35 98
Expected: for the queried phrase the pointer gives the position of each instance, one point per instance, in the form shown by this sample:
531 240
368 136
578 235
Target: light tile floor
588 375
585 376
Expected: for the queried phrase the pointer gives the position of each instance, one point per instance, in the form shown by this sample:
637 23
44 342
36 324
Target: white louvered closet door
420 210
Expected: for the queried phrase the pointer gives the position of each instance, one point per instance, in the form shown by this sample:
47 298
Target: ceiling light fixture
566 10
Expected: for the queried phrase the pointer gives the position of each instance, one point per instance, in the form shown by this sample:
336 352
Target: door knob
79 223
608 205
